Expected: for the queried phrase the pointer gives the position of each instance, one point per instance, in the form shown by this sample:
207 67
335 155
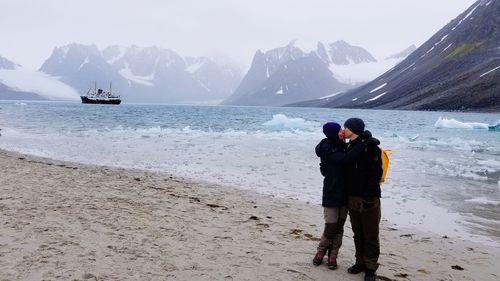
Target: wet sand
68 221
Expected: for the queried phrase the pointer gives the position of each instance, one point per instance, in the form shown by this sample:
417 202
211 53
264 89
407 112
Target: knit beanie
355 125
331 130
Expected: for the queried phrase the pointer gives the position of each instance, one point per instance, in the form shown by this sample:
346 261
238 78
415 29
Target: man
363 188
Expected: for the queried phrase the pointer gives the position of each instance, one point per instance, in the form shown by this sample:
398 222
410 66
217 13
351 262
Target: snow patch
194 67
490 71
375 98
120 55
378 88
331 95
280 91
428 51
354 99
446 48
26 80
466 16
143 80
406 68
84 63
442 39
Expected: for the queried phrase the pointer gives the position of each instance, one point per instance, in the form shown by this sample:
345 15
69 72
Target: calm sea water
444 175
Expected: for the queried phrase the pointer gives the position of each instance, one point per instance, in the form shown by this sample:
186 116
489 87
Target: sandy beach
68 221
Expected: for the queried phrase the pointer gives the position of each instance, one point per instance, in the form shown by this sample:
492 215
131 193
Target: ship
100 96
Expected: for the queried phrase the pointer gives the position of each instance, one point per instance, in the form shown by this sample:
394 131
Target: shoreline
63 220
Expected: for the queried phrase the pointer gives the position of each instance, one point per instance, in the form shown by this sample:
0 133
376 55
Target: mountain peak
342 53
7 64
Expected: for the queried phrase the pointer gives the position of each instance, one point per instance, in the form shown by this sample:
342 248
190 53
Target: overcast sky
30 29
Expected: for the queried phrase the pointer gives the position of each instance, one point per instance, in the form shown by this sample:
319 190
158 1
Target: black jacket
363 175
333 167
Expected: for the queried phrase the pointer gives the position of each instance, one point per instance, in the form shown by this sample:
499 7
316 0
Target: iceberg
454 124
495 128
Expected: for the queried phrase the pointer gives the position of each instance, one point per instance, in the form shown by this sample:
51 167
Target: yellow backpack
384 156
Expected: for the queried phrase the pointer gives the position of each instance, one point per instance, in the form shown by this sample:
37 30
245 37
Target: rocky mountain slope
458 68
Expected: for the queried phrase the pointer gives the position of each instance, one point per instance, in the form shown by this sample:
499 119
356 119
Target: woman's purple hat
331 129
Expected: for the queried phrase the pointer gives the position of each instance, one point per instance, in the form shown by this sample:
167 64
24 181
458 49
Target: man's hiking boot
370 275
356 268
318 258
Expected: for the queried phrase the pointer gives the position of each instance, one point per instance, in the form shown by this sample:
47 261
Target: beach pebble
89 276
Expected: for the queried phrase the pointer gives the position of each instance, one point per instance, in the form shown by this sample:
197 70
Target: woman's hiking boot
356 268
318 258
332 260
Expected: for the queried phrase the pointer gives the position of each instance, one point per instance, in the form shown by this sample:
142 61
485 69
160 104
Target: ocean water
444 174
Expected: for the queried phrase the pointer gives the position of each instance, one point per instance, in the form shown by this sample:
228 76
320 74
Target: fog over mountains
288 74
152 74
147 74
458 68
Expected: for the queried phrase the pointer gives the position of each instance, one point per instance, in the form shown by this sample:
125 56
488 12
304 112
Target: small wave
454 124
21 103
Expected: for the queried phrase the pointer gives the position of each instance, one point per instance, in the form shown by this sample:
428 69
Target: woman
331 151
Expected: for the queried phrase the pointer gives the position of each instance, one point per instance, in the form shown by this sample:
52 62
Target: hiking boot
318 258
370 275
332 263
356 268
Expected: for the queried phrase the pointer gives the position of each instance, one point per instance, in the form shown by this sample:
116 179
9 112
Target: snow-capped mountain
19 83
7 64
458 68
143 74
341 53
284 75
363 67
79 66
288 74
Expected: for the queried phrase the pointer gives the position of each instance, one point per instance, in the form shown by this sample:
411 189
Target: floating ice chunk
483 200
281 121
414 138
454 124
